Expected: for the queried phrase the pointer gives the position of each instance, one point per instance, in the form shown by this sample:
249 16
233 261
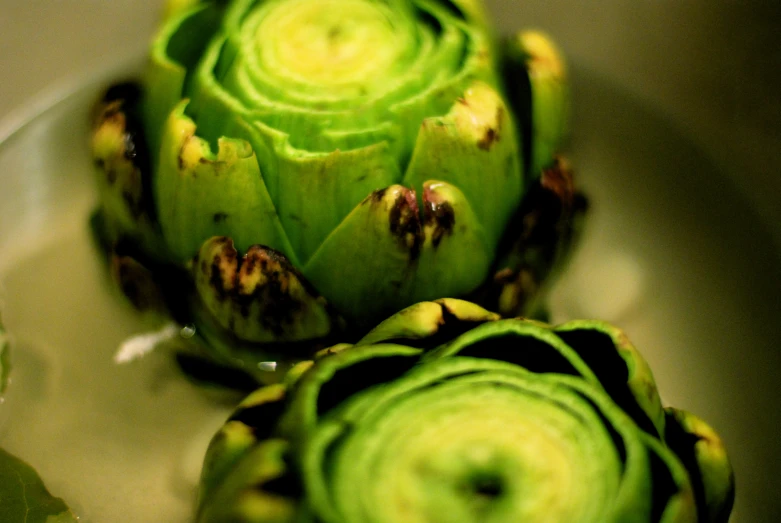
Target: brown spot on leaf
558 179
488 139
439 215
180 157
259 289
278 306
223 267
492 133
405 222
376 196
219 217
124 159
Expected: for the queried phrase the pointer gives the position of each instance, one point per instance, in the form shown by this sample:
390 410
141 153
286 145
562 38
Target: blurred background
677 140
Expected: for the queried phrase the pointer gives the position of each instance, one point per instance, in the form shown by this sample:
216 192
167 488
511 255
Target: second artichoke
445 413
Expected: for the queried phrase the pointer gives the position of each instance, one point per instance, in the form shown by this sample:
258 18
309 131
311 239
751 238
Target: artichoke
447 413
290 170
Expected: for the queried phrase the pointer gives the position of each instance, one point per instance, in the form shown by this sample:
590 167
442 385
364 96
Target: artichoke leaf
671 487
539 77
536 243
621 369
121 156
24 497
384 254
258 296
173 55
248 494
113 151
474 148
428 319
317 191
528 344
350 371
201 194
250 422
703 454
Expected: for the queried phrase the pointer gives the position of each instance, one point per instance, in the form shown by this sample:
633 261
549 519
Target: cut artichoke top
330 95
446 413
316 163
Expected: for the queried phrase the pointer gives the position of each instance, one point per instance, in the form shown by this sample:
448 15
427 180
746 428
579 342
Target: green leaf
24 497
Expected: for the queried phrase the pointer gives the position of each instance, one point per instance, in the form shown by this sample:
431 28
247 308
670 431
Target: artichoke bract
448 413
317 165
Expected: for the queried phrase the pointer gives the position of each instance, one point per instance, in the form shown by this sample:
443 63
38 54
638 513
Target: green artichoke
447 413
291 169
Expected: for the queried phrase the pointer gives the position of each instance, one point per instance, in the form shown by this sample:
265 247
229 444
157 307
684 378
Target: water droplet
269 366
187 332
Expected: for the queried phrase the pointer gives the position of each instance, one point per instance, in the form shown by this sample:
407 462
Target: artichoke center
328 42
486 452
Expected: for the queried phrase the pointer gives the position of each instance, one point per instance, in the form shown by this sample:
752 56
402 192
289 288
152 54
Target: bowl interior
671 253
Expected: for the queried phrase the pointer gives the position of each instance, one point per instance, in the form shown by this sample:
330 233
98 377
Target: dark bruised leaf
537 239
137 283
260 296
129 163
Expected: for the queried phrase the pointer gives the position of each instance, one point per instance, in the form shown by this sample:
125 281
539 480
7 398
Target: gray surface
48 42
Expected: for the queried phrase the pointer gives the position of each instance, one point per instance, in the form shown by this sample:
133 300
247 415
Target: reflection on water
671 254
